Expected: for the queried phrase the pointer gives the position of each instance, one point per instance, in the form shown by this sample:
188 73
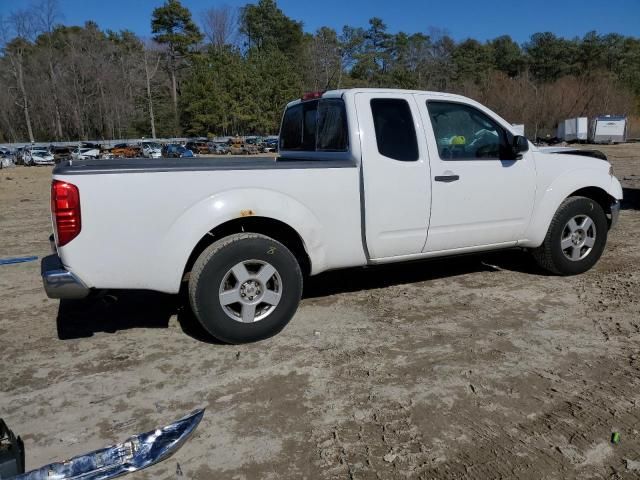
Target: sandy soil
478 367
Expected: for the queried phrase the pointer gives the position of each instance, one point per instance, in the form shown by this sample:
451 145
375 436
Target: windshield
151 145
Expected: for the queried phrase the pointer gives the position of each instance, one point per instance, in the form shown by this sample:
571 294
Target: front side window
315 126
465 133
395 130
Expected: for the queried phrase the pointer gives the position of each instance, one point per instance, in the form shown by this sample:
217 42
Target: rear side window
315 126
395 130
291 131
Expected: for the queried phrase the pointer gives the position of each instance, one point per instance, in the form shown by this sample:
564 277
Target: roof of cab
352 91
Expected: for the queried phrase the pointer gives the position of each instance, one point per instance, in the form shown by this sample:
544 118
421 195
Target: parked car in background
7 158
38 156
84 153
270 146
151 150
124 150
220 148
19 155
7 152
198 147
173 150
237 146
61 153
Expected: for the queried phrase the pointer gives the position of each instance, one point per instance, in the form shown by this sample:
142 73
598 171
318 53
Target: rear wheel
576 237
245 287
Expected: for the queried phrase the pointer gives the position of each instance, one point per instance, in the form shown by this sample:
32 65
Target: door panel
475 201
396 192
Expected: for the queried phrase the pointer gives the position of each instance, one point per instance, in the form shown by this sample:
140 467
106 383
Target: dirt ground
476 367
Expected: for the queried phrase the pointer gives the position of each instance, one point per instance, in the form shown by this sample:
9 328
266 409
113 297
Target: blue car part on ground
11 261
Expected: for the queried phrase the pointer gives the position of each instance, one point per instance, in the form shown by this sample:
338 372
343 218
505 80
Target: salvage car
61 153
81 153
124 150
239 147
219 148
270 146
198 148
38 156
174 150
151 150
363 177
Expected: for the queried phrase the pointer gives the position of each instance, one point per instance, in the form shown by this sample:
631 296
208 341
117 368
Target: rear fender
202 217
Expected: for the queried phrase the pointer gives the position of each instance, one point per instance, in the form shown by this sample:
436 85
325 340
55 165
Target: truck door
481 196
395 169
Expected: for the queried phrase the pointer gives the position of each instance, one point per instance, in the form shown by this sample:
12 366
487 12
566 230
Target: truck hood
575 151
566 158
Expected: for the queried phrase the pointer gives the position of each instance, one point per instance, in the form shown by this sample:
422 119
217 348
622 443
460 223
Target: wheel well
275 229
597 194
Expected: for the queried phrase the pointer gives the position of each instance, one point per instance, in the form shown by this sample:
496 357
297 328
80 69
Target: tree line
229 71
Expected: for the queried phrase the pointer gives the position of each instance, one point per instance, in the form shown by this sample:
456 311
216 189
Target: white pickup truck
363 177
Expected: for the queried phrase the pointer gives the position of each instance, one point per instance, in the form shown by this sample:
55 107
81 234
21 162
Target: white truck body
141 220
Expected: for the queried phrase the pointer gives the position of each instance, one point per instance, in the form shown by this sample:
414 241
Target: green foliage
473 60
507 56
266 27
172 25
551 57
230 94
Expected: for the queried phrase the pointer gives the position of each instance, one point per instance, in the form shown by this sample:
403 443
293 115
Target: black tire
214 265
550 254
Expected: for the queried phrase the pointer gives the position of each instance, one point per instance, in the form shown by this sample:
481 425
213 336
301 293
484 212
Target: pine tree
173 27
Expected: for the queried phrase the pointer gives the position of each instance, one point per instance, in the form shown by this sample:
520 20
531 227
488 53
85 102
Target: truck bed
138 165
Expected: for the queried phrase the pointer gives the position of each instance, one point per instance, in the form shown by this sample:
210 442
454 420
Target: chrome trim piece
136 453
59 282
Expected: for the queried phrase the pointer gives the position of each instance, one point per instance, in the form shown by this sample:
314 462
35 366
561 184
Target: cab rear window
315 126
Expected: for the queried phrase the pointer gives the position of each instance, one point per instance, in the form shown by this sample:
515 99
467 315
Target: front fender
205 215
562 187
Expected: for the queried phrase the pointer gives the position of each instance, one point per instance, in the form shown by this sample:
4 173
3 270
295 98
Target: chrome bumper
615 213
59 282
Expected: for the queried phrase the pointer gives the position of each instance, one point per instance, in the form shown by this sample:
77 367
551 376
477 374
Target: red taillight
65 210
311 95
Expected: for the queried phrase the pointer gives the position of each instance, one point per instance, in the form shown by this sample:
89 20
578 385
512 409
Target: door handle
446 178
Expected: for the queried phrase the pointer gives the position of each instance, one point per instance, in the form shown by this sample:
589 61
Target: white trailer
608 129
518 128
573 129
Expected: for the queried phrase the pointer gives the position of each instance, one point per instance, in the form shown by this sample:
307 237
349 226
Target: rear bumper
59 282
615 213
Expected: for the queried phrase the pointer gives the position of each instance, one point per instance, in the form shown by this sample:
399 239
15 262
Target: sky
461 19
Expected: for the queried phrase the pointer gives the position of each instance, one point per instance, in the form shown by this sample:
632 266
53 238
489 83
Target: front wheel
245 287
575 239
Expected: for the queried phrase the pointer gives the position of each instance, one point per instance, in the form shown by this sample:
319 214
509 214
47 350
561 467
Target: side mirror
519 145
